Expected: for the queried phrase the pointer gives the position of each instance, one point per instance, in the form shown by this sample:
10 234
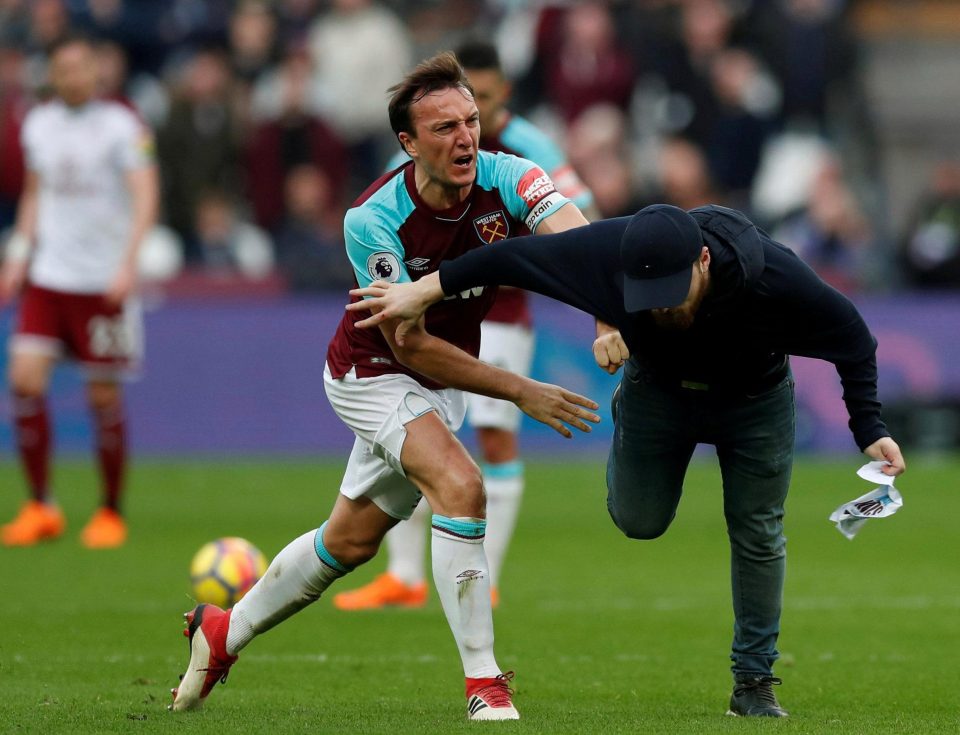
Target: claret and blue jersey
392 235
520 137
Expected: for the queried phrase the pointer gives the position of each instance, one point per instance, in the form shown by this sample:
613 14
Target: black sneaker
753 697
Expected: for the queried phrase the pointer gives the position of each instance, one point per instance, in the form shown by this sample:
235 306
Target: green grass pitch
606 634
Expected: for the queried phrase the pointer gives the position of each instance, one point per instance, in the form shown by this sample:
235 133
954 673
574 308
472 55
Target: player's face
682 316
73 73
447 126
491 92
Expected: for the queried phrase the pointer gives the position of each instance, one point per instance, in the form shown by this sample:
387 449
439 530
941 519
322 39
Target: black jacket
764 304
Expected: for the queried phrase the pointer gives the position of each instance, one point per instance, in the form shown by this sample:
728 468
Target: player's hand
122 287
610 351
886 449
12 277
556 407
405 302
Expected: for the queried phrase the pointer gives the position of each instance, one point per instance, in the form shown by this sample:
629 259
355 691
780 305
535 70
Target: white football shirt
81 156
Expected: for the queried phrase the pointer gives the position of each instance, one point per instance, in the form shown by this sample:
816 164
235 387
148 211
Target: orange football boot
105 530
384 591
35 522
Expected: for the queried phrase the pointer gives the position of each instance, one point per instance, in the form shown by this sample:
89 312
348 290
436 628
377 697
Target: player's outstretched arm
404 303
552 405
886 449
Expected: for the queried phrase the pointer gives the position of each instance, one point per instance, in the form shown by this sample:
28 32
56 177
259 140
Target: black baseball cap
657 251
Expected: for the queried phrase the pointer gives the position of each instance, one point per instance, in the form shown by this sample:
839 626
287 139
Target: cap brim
642 294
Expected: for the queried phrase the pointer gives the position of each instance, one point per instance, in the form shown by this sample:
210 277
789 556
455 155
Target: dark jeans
656 430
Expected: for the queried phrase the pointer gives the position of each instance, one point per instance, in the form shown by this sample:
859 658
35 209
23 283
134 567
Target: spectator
49 23
931 248
199 144
14 102
310 243
601 152
831 233
353 77
810 49
227 244
590 66
293 134
131 24
143 92
684 176
746 104
253 40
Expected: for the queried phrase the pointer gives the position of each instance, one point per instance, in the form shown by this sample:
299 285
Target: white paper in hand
878 503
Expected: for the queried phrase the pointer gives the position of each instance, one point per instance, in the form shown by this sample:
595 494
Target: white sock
462 580
504 486
407 546
297 576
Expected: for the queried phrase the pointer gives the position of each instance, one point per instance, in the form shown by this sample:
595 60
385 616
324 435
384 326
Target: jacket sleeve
821 322
580 267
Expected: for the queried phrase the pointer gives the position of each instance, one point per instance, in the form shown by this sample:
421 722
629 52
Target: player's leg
756 458
34 349
503 481
439 465
107 528
106 340
296 577
307 566
653 439
40 518
404 583
508 346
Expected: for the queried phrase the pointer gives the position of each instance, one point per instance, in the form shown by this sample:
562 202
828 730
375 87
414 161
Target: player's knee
26 383
638 524
460 490
758 546
103 396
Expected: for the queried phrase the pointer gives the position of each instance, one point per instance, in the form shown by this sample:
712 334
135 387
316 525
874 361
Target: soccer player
506 340
710 308
404 403
91 194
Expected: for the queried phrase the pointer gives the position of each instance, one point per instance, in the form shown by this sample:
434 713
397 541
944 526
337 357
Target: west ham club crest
492 227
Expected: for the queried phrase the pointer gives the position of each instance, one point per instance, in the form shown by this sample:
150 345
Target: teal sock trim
502 471
325 555
461 527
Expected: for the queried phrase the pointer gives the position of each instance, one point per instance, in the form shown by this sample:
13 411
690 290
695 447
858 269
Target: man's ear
408 143
704 259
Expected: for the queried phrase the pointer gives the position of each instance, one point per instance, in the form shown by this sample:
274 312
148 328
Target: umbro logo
470 574
418 264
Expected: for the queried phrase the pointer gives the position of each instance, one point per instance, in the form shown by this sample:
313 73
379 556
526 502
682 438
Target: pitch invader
507 341
404 402
91 195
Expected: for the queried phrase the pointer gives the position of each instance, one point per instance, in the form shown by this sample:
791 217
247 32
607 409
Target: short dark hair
479 54
439 72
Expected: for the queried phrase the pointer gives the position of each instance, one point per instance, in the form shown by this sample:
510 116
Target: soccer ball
224 570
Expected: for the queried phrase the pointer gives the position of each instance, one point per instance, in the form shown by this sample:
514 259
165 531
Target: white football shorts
377 410
507 346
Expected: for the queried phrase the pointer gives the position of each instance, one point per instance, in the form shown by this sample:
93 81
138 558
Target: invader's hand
405 302
610 351
886 449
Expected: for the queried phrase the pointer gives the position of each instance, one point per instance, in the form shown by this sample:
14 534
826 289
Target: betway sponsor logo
534 186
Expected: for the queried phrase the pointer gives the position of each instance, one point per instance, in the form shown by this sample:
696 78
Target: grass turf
606 634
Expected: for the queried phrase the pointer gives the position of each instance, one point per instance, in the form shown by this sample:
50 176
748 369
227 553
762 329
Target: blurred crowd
270 118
